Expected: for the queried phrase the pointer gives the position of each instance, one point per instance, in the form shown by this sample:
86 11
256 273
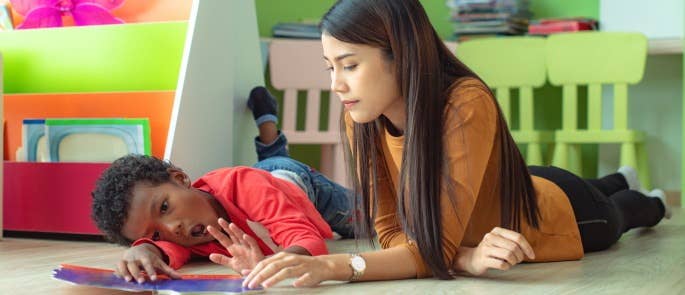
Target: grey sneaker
630 174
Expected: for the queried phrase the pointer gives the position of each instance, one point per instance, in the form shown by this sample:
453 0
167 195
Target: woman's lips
349 103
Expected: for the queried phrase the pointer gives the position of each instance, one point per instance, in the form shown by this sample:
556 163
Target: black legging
604 208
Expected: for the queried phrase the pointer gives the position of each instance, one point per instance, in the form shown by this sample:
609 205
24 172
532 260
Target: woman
437 169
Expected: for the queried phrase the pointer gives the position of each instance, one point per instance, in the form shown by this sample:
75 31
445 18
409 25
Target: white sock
661 195
630 174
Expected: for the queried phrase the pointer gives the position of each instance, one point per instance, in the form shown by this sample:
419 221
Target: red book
551 27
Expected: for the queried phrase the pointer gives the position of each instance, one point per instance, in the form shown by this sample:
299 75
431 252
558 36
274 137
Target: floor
645 261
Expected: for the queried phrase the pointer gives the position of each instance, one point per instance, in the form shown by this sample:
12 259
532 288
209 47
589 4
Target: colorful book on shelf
188 284
551 26
5 17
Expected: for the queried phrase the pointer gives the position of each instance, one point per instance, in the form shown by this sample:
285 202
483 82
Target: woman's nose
338 85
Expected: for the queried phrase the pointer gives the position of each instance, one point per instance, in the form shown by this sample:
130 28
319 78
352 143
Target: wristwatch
358 265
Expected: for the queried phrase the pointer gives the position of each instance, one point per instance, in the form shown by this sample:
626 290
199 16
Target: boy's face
173 211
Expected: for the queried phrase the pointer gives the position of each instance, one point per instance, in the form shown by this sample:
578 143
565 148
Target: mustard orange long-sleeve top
471 151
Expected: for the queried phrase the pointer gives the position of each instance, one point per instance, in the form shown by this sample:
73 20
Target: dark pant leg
610 184
637 209
599 221
603 219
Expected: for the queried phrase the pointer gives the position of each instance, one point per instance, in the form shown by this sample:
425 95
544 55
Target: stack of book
559 25
297 30
486 18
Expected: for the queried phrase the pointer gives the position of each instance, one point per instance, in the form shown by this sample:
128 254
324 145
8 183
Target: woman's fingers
306 280
497 264
504 255
284 273
508 246
517 238
264 270
236 233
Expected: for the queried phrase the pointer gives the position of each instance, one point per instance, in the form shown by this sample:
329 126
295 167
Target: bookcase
192 77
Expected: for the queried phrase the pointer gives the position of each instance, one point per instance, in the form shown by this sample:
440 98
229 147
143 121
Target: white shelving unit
2 136
211 126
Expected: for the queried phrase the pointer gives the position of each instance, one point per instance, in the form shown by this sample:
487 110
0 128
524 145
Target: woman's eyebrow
341 57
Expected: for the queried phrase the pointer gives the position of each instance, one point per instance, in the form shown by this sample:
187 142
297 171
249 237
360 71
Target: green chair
509 63
594 59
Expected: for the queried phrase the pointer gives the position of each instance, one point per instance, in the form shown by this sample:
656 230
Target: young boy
282 206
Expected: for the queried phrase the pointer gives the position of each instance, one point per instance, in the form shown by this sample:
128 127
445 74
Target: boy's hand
145 257
244 249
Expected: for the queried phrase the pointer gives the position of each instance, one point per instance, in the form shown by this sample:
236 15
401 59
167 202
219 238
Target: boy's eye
155 236
329 69
164 207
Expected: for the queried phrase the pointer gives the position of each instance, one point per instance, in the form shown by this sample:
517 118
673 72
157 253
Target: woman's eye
155 236
330 69
349 68
164 207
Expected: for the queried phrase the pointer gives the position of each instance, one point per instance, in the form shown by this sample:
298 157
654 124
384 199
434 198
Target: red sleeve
271 204
177 255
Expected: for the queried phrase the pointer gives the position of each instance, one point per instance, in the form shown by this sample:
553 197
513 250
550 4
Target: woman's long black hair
425 71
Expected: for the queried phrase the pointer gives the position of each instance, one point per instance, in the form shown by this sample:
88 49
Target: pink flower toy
49 13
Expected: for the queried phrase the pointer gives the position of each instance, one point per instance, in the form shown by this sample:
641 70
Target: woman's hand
145 257
309 270
244 249
500 249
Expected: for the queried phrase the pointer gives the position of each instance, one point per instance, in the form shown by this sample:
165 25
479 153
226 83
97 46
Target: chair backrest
298 65
506 64
594 59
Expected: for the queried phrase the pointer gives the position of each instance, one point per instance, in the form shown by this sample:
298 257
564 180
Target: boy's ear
178 176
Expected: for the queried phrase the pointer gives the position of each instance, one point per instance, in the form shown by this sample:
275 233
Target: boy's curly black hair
112 193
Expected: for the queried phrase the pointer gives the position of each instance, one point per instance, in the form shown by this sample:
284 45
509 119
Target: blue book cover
189 284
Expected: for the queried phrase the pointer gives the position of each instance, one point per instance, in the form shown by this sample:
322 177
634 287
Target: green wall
270 12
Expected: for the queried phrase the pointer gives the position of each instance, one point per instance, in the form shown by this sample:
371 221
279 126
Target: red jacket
255 195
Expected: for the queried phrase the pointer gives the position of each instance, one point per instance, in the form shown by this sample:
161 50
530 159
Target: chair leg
560 158
575 160
629 155
643 166
534 156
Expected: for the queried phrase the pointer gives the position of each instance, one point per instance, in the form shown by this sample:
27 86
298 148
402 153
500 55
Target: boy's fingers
220 259
122 271
234 238
168 270
252 243
221 237
134 270
150 270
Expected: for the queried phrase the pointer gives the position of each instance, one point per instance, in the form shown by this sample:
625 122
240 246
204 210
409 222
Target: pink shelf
49 197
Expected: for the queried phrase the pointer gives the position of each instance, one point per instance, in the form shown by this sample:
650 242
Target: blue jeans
330 199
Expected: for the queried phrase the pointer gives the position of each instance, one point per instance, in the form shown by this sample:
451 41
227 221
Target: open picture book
189 284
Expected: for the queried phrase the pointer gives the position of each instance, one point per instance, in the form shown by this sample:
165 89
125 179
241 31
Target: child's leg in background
603 219
330 199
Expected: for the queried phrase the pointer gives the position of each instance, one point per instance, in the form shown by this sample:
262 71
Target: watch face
358 263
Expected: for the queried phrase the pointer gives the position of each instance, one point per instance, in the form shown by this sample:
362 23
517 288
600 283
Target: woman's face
364 80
